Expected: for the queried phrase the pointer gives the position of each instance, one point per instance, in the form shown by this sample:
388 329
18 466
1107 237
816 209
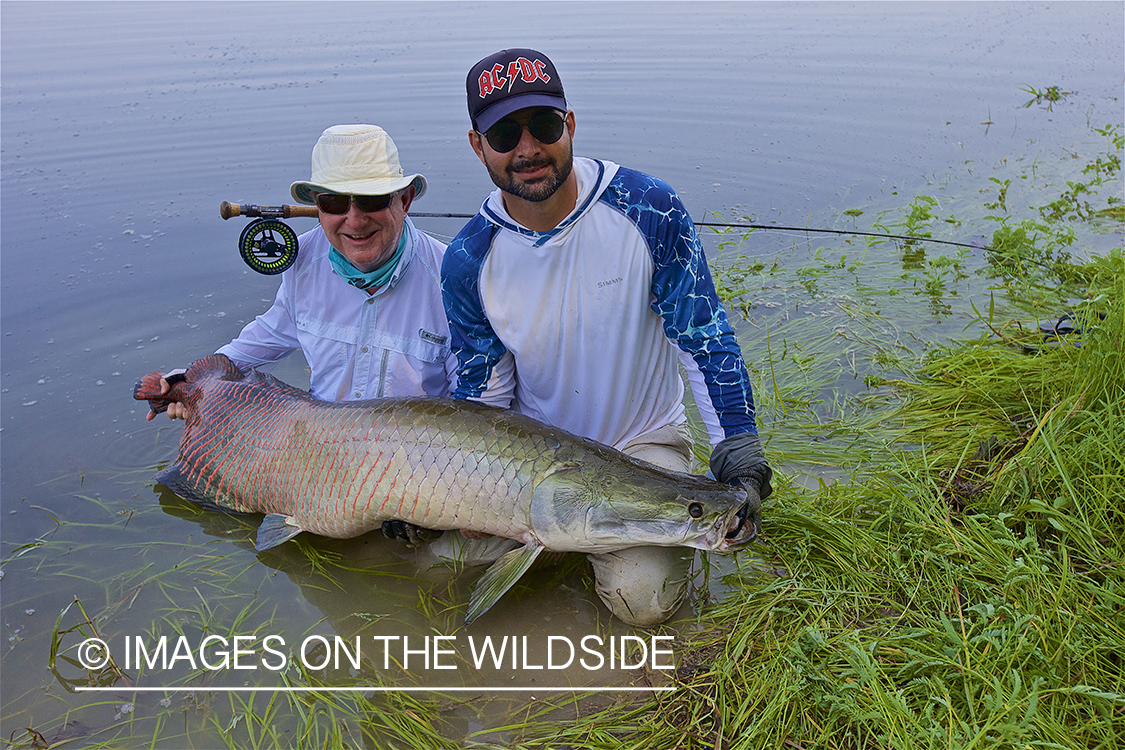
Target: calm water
125 125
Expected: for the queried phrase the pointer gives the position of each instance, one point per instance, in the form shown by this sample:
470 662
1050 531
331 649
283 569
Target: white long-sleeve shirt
391 344
582 327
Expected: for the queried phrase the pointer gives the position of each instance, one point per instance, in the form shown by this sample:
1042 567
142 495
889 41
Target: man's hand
740 461
751 511
408 533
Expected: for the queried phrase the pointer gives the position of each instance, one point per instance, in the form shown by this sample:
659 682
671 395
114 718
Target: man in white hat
363 299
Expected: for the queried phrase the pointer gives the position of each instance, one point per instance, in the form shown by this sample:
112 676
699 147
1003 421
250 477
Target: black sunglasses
339 203
545 127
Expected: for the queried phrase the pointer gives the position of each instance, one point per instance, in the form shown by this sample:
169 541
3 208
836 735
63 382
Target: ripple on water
143 446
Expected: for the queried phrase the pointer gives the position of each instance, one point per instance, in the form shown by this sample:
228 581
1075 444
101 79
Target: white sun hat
355 159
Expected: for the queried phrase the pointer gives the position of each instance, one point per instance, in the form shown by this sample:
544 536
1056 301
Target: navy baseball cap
510 80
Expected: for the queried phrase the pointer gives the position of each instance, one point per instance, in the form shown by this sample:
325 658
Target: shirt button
357 394
363 349
370 301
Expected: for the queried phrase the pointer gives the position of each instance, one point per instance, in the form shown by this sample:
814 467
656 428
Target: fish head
579 508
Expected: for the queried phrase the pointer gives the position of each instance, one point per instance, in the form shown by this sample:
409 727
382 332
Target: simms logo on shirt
609 282
520 69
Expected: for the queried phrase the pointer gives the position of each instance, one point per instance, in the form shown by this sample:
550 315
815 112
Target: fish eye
695 510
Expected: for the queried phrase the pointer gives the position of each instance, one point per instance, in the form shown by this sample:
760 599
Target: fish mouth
742 528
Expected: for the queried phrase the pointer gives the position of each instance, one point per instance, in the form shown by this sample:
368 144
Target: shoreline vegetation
943 561
963 586
969 592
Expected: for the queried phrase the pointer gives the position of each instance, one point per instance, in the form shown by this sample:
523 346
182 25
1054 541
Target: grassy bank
966 593
962 584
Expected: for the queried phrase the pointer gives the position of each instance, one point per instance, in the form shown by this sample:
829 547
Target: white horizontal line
372 689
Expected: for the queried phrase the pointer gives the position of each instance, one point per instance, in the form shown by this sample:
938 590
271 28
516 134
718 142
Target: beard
542 188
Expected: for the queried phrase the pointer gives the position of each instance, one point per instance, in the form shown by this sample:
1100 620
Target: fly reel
267 244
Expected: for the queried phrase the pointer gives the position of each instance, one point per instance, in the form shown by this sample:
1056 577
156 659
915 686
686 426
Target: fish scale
329 458
253 444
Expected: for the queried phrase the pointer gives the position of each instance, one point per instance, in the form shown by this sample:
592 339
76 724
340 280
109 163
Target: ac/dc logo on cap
509 80
520 69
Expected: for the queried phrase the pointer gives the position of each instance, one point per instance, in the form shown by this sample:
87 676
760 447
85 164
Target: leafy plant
1050 95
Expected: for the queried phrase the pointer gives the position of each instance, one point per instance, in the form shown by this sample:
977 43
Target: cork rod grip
286 211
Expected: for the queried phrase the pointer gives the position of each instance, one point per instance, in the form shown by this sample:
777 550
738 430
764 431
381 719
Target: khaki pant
643 586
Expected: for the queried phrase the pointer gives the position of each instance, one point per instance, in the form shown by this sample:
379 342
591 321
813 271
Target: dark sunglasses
545 127
339 203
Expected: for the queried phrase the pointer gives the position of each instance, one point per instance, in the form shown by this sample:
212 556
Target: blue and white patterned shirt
583 326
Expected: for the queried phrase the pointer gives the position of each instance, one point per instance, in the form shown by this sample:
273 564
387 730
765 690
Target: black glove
740 460
408 533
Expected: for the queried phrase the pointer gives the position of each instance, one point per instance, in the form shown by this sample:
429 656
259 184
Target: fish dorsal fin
178 479
500 577
275 530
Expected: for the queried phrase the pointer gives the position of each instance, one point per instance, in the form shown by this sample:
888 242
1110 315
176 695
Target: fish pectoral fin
275 529
500 577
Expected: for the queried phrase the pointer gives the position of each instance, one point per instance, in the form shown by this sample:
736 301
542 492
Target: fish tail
183 383
148 389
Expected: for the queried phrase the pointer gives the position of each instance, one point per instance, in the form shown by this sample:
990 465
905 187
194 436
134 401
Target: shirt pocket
423 344
412 365
328 349
311 328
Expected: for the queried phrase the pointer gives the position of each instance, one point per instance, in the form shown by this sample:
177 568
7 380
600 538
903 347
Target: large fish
253 444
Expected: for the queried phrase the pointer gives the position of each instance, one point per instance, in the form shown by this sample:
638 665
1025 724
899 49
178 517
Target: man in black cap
574 296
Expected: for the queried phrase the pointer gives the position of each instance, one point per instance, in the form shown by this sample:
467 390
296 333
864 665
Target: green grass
967 593
1050 95
963 584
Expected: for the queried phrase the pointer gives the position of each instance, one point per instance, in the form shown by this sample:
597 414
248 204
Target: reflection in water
403 617
549 631
913 255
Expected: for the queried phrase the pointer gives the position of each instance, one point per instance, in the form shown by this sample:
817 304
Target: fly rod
269 246
776 227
